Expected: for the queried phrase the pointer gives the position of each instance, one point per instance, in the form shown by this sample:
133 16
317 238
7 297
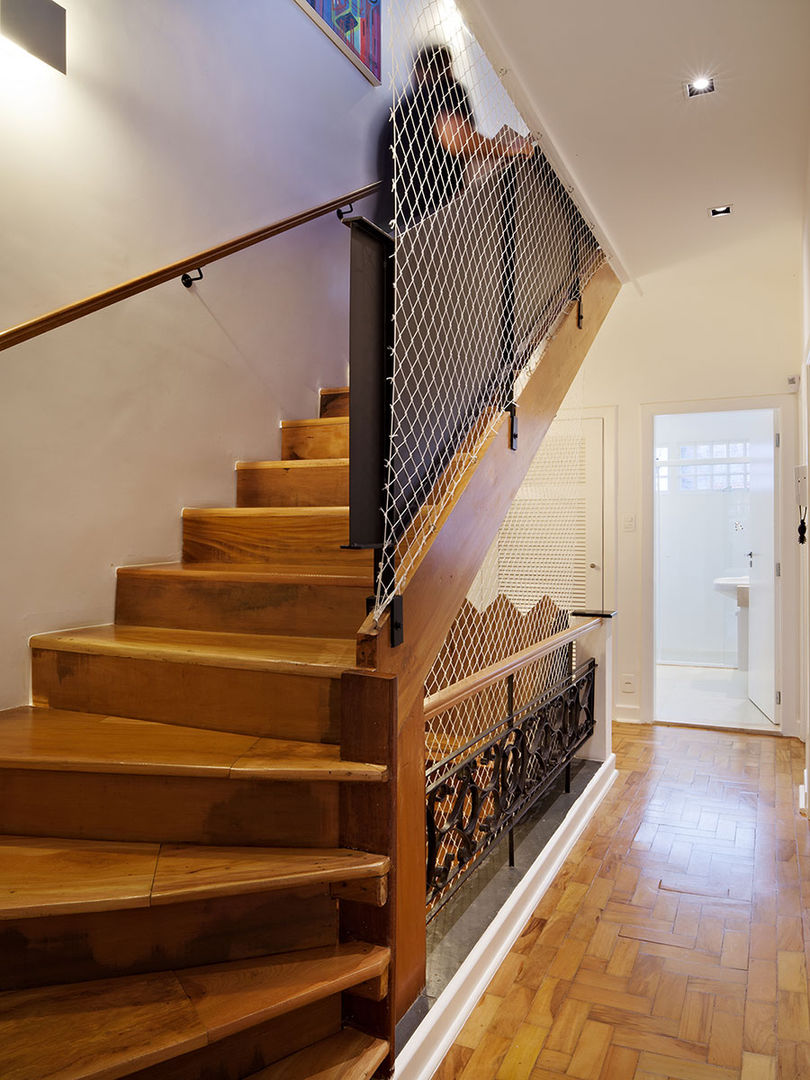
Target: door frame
785 552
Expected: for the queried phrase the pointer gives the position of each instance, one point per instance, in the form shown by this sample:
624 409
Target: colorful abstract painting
355 26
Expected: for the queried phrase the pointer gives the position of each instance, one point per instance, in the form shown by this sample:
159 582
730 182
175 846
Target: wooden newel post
387 818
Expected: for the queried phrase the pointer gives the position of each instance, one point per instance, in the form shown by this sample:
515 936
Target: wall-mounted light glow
703 84
39 27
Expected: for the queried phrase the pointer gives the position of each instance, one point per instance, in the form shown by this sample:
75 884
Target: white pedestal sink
736 589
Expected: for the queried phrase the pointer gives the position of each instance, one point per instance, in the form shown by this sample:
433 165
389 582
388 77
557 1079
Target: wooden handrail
474 684
41 325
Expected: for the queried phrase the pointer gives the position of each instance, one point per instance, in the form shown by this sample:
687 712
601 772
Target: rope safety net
535 573
490 252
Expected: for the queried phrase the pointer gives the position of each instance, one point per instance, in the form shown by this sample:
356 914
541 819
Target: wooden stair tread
317 422
296 463
303 513
326 657
54 876
231 997
113 1027
59 740
349 1055
261 573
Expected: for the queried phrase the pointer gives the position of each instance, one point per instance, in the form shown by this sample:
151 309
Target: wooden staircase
181 873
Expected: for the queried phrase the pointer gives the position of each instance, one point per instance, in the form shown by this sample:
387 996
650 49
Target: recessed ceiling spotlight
703 84
720 211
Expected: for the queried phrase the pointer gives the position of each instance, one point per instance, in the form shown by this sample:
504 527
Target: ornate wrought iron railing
487 786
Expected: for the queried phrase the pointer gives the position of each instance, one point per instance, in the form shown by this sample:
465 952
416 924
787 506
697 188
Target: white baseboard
427 1047
628 714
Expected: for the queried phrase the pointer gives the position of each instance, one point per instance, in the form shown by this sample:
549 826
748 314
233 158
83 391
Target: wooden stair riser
316 484
334 402
168 809
261 703
107 944
240 1056
291 538
307 439
249 607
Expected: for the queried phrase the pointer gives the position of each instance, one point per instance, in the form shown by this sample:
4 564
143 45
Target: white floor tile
715 697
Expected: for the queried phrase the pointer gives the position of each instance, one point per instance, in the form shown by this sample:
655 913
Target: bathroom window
705 466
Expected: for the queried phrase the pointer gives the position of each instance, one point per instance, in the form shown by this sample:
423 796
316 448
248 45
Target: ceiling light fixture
720 211
38 26
703 84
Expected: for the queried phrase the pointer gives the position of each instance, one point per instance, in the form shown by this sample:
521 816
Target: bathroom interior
715 588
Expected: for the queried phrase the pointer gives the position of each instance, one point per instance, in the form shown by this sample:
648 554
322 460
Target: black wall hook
188 280
341 213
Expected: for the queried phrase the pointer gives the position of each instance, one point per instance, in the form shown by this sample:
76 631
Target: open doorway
714 568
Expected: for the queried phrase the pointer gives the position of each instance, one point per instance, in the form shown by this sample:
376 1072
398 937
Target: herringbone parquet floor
675 940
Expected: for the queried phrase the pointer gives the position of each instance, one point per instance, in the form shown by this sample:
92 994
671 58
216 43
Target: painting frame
341 42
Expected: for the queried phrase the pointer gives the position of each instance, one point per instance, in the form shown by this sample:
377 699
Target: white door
563 492
762 594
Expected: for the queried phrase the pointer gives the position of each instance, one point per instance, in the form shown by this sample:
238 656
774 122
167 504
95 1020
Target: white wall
727 326
179 125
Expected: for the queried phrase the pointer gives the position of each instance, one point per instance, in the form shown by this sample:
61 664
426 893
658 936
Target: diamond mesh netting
490 251
533 576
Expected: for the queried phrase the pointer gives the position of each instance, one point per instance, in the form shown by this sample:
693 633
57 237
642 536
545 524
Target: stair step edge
329 513
319 657
94 742
303 464
317 421
83 876
356 1056
113 1027
264 573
